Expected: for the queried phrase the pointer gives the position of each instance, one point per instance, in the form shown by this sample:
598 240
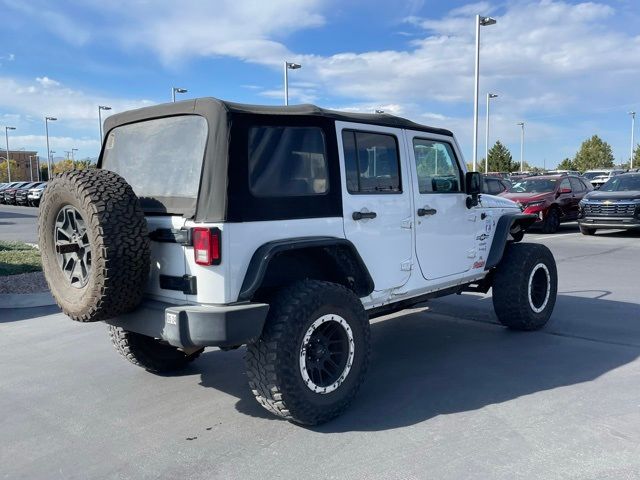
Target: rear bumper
609 222
188 326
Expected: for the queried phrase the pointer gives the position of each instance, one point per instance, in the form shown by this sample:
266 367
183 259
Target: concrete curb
26 300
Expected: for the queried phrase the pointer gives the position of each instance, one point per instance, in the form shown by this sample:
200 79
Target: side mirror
473 187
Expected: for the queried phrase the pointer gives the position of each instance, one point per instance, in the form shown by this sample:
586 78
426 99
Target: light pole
480 22
288 66
46 127
486 139
31 166
6 136
100 108
633 124
73 156
175 90
521 124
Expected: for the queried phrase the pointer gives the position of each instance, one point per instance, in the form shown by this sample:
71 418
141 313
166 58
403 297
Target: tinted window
565 184
160 158
371 162
576 185
436 167
287 161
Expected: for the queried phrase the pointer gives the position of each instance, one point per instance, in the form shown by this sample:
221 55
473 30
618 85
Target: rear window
161 159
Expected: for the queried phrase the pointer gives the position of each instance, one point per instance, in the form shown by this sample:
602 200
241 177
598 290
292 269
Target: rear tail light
206 246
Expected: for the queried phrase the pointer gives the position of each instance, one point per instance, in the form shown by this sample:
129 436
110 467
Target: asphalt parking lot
449 395
18 223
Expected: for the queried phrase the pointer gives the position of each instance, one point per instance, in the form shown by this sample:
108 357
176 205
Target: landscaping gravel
32 282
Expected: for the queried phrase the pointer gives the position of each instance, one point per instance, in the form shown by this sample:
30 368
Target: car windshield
622 183
592 175
537 185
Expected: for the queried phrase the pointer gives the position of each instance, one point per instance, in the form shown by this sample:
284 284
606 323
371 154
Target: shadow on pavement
16 314
424 365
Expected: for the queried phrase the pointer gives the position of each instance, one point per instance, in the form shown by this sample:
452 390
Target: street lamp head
493 95
293 66
633 114
51 119
10 128
104 107
520 124
179 90
380 111
486 21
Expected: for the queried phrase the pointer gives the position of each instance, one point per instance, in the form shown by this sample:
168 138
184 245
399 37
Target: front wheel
525 285
551 222
312 356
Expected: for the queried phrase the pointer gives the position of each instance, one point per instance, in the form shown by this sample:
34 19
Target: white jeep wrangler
209 223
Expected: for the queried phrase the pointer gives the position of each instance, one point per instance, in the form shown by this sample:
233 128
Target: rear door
161 159
377 201
445 227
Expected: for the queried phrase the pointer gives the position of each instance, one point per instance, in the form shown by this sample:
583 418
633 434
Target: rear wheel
311 359
587 230
525 285
551 222
149 353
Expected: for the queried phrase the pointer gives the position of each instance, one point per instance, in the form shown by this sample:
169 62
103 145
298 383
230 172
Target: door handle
426 211
361 215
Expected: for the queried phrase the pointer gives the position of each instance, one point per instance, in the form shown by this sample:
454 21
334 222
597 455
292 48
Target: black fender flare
264 254
501 235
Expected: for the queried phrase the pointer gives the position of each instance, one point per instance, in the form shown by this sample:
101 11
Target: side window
436 165
371 162
565 184
287 162
576 185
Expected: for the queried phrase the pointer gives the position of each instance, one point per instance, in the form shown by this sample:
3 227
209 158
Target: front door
445 227
377 200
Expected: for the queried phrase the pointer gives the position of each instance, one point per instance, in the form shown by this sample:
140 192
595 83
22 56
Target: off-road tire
551 222
518 283
119 244
149 353
587 230
273 362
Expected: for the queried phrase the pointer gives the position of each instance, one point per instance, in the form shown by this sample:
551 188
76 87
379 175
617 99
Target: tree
83 164
44 172
63 166
4 173
636 156
500 159
594 153
567 164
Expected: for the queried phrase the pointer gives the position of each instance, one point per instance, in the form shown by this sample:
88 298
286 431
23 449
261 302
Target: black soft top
211 204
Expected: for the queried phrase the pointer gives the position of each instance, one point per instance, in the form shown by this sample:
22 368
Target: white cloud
47 82
247 29
45 96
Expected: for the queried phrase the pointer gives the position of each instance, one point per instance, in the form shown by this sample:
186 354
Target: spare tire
94 244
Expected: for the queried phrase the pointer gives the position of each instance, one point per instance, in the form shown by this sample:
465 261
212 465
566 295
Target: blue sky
568 69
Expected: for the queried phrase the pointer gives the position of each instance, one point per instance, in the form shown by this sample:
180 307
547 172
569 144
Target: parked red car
554 198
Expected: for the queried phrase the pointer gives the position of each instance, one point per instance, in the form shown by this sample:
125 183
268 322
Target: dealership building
27 164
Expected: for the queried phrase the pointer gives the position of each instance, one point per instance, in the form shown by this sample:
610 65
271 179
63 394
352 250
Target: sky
568 69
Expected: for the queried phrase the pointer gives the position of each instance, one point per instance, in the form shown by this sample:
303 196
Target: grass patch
17 257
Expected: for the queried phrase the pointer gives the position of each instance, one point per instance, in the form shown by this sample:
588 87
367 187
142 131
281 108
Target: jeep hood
492 201
527 197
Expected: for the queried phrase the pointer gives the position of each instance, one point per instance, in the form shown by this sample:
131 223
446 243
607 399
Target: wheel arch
280 262
510 224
